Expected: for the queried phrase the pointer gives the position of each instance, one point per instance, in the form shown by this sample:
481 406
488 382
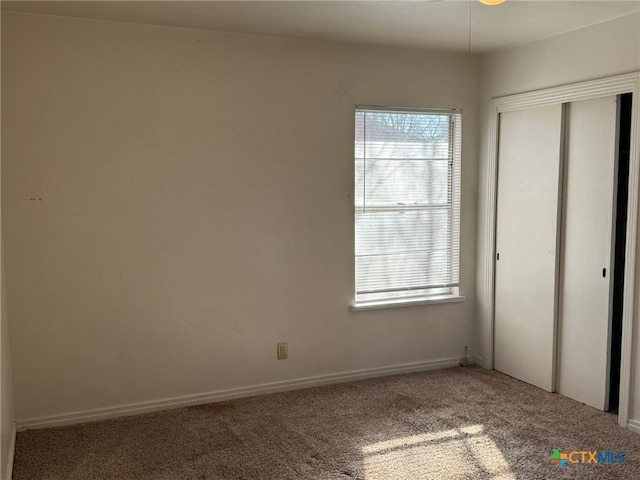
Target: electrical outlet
283 351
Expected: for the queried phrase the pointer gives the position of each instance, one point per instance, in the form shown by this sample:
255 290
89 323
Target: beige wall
7 432
196 208
599 51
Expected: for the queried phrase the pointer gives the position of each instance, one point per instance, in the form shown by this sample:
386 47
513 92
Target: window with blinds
407 204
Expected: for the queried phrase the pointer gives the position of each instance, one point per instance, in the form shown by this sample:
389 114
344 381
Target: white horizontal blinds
407 203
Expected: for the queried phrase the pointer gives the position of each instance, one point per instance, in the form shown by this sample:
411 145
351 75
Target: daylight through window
407 205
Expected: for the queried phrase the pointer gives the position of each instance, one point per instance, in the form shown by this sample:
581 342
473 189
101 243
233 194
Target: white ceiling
435 24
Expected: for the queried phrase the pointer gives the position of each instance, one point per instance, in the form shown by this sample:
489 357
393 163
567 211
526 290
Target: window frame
454 295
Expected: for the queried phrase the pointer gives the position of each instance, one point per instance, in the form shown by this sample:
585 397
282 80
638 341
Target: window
407 205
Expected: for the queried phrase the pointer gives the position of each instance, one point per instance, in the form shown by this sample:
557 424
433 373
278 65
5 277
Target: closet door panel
529 170
587 258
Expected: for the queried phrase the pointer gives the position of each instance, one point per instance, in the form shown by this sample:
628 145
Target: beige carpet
460 423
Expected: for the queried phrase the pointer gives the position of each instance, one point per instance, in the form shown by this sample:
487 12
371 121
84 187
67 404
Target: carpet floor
458 423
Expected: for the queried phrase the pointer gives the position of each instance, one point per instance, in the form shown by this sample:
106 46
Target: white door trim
627 83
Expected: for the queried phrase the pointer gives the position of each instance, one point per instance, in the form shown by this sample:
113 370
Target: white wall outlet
283 351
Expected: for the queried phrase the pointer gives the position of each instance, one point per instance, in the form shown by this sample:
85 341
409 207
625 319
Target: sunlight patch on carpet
447 455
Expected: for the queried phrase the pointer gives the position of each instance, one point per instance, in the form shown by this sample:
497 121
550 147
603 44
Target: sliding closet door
526 244
587 258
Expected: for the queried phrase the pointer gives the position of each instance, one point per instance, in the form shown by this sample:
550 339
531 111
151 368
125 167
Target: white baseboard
221 395
634 425
478 360
8 470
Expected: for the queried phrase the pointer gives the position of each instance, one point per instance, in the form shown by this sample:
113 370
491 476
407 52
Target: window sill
407 303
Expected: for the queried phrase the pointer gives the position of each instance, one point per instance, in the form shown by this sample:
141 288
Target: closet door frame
617 85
